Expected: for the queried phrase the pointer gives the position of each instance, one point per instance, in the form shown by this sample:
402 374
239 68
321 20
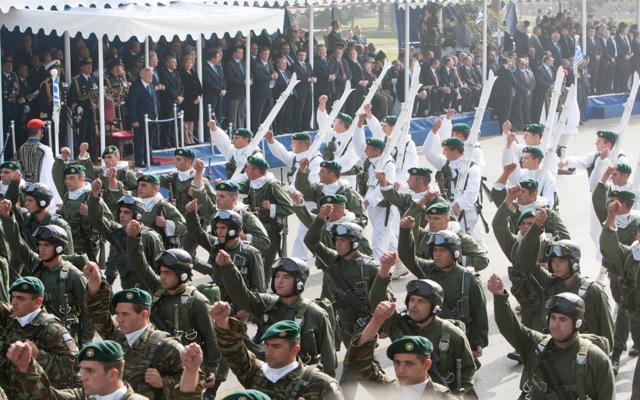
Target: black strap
303 383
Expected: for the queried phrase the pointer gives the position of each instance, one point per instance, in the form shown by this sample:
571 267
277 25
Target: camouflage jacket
248 370
126 181
142 354
362 363
57 349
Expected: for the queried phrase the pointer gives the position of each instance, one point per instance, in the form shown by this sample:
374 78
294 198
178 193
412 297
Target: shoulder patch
67 337
334 386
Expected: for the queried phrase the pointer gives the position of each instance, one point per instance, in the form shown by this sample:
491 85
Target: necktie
149 90
241 67
303 67
344 74
266 66
324 60
626 41
526 77
436 76
284 75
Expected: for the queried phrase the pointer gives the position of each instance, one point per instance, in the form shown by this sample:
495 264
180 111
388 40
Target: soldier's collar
275 374
186 175
56 267
27 319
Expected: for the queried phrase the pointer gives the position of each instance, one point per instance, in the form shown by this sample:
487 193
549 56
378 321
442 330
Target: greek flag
577 58
56 95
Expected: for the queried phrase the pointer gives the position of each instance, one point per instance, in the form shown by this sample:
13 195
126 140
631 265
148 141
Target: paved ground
499 377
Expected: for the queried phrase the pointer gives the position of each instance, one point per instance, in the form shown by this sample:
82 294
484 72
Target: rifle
553 106
558 390
284 225
264 127
624 121
635 185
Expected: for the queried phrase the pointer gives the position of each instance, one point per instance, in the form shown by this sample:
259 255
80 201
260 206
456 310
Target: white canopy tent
178 18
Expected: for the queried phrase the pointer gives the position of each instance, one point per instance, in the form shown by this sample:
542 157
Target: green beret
28 284
390 119
608 135
376 143
418 345
525 215
247 394
439 209
228 186
109 150
347 119
258 162
460 127
134 296
420 171
624 168
534 128
74 170
149 178
301 136
332 165
332 199
529 183
285 329
453 143
623 194
103 351
11 165
534 151
244 132
185 153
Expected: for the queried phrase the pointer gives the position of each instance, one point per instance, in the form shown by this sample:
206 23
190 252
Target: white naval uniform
349 158
515 153
228 151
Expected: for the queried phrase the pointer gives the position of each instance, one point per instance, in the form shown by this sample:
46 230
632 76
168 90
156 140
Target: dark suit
142 101
634 62
25 87
173 88
302 106
284 119
502 94
420 106
556 52
622 64
355 100
23 56
213 83
568 47
471 78
536 44
521 107
544 80
332 39
522 43
261 93
234 73
436 97
361 39
343 74
321 71
608 74
593 50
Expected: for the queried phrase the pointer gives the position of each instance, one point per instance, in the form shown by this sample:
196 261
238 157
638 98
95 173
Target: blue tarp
606 100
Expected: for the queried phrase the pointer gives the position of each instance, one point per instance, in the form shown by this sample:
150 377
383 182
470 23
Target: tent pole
101 91
2 127
69 76
311 57
407 22
199 69
484 40
247 81
638 13
584 27
146 52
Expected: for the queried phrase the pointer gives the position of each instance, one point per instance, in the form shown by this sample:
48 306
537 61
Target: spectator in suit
609 44
284 121
622 59
382 102
255 49
335 36
142 100
534 41
261 91
553 46
302 105
532 62
234 73
341 70
462 88
24 54
634 61
594 51
285 52
214 85
26 107
444 76
173 94
358 37
521 107
358 82
131 55
522 39
192 97
420 105
503 91
322 71
544 76
438 94
175 49
567 44
492 62
472 79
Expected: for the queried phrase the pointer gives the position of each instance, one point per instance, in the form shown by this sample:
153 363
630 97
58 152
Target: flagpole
55 113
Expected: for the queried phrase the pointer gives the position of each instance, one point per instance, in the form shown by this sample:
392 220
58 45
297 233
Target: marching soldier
445 129
52 345
127 209
465 205
63 282
178 305
563 275
82 85
115 172
532 136
525 198
159 214
330 183
232 150
463 295
300 143
345 270
423 301
271 203
562 360
412 359
282 345
288 278
74 206
348 158
528 167
152 357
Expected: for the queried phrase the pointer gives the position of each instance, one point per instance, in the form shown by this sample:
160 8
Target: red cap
35 123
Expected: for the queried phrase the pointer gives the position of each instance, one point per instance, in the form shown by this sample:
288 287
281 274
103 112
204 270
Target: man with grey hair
142 100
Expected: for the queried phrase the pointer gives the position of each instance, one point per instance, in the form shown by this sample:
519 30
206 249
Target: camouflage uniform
316 335
114 233
57 350
171 213
153 349
60 280
126 181
195 328
362 361
248 369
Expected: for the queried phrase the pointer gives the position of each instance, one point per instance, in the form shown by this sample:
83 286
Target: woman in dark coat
192 97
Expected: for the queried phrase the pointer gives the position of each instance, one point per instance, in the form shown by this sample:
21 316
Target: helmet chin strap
180 283
50 258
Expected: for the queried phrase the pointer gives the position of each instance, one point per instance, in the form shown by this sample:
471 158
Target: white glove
79 110
26 109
